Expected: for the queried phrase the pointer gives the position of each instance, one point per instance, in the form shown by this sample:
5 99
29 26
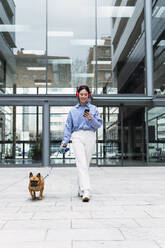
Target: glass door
156 133
122 139
134 136
109 137
58 117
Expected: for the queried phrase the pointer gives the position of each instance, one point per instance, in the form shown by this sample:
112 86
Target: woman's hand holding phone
87 114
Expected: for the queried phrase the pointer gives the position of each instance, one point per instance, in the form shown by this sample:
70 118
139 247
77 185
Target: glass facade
128 40
61 45
158 20
49 49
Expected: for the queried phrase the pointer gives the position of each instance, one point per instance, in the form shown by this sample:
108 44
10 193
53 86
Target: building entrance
123 139
120 140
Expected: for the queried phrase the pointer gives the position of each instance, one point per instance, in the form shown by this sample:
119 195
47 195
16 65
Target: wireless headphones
86 87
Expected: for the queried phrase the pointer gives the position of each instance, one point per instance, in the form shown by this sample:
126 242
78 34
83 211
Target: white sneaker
86 196
80 192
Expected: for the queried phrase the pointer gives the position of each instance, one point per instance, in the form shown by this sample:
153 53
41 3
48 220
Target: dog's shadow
36 199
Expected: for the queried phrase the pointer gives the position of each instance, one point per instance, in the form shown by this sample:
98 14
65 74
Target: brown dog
36 183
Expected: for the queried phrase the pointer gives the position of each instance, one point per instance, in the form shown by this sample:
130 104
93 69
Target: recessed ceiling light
60 34
36 68
101 62
116 11
87 42
84 75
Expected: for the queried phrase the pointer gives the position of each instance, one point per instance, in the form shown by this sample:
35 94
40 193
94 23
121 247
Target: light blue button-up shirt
76 121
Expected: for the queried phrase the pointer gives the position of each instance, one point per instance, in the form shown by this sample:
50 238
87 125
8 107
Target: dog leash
60 150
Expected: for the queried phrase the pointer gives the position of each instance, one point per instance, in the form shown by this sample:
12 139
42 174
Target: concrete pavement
127 209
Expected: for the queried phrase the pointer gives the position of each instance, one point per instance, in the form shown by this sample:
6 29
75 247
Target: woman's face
83 96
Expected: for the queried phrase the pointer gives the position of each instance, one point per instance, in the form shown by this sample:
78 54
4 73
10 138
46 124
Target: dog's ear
30 174
39 175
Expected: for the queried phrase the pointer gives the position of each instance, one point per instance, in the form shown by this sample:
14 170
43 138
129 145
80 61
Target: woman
82 122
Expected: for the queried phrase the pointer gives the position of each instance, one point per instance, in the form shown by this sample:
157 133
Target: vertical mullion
149 46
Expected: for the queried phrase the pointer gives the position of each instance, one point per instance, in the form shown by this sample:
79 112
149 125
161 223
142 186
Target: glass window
109 137
2 73
134 136
70 35
122 52
156 133
58 117
158 20
23 46
20 135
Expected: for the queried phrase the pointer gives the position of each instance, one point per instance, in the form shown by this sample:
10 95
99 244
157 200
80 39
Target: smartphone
86 110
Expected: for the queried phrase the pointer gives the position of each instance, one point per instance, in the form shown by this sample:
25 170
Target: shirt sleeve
96 121
68 129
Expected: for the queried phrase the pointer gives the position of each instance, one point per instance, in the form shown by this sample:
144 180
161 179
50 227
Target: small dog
36 183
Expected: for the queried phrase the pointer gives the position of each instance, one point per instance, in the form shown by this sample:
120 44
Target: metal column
122 135
149 46
46 61
45 145
96 57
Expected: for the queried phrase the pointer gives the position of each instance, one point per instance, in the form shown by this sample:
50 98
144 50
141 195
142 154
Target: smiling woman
82 122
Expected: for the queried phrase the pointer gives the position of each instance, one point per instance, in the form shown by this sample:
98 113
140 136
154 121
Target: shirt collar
78 105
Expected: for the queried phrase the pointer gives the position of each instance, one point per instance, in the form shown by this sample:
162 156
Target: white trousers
83 145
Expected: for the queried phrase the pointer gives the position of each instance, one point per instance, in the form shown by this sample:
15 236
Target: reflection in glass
70 35
20 135
128 42
68 43
58 116
22 45
158 20
134 141
109 137
156 131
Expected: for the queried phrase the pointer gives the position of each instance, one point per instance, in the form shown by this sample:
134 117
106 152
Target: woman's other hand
63 145
62 148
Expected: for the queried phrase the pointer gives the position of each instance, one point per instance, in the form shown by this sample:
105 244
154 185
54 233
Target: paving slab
151 223
114 244
104 223
85 234
38 244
